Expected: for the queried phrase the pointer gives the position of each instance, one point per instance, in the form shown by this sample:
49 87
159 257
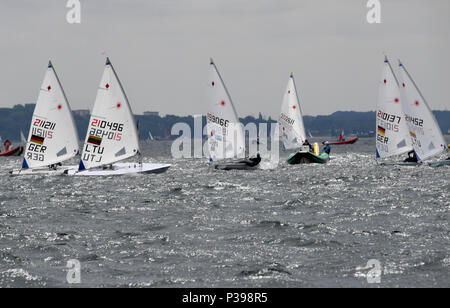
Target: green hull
307 158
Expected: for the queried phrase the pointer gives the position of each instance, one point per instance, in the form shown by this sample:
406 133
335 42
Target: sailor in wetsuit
254 161
311 149
327 148
54 166
412 157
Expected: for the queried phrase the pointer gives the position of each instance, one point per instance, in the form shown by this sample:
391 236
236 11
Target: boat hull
401 163
17 151
43 171
303 157
347 141
122 169
235 166
440 163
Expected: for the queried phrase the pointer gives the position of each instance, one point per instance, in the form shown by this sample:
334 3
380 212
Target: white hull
121 169
43 171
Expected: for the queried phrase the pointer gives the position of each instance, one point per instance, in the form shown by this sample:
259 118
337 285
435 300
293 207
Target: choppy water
295 226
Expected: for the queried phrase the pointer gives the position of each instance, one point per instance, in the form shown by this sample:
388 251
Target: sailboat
112 134
292 129
225 132
426 136
392 133
150 136
53 136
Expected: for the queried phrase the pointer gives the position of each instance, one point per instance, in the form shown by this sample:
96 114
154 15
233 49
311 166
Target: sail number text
217 120
117 127
415 121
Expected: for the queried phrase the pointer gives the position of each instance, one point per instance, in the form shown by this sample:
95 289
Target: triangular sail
53 136
292 129
22 138
426 135
225 133
391 128
112 134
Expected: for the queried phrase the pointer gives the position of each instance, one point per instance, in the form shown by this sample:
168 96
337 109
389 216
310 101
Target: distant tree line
17 119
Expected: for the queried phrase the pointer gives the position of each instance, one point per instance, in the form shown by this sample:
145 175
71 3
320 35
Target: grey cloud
161 49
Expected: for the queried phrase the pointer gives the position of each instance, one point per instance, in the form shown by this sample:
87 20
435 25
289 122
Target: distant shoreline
362 124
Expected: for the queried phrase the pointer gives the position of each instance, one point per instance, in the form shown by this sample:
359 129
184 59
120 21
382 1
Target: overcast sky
161 50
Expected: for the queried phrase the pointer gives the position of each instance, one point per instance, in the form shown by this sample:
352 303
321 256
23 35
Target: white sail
292 129
392 134
426 135
22 138
53 135
225 133
150 136
112 134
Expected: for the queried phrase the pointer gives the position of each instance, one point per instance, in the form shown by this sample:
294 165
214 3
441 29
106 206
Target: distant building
82 112
151 113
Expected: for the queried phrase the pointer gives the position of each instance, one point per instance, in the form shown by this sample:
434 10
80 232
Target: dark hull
401 164
440 163
235 166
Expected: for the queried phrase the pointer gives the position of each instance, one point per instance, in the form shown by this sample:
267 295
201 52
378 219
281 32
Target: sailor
7 144
327 148
254 161
54 166
412 157
251 162
311 149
